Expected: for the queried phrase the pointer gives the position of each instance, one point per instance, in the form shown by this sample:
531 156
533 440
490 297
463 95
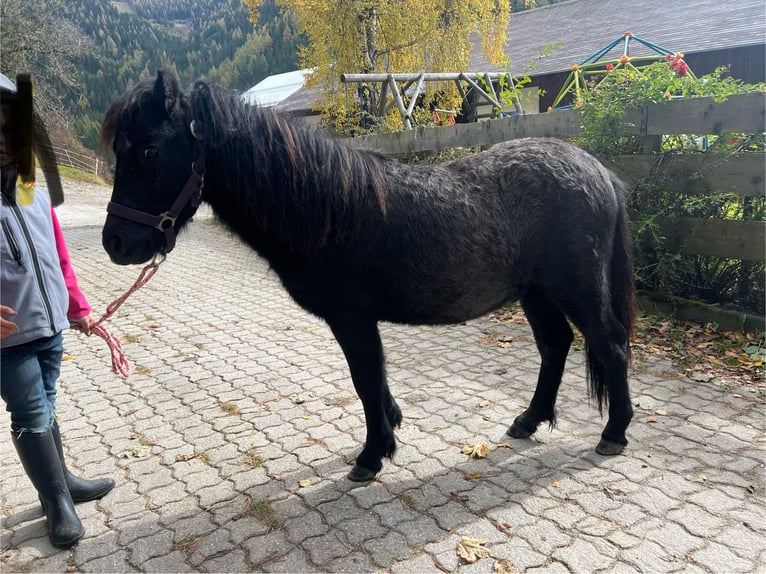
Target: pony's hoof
361 474
609 448
518 431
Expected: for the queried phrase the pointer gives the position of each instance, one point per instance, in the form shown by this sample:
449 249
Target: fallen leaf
304 483
475 450
504 567
136 452
556 484
472 475
305 417
471 549
575 433
651 419
483 404
67 358
661 412
504 445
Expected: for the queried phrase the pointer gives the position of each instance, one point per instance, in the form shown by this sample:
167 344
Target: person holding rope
39 298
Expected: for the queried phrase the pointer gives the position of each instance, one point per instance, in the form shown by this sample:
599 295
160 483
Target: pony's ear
202 110
212 118
167 90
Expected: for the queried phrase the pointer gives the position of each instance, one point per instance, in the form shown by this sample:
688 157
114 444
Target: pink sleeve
78 304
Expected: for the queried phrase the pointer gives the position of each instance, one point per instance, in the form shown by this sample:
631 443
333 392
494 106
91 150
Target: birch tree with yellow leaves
391 36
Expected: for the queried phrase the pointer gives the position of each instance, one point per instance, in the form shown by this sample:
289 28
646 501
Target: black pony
357 237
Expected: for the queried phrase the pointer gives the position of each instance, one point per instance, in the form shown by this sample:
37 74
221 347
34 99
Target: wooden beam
399 102
696 173
427 76
716 237
414 97
740 113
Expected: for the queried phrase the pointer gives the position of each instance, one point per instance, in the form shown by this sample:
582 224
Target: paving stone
327 548
388 549
294 561
116 562
148 547
585 554
173 562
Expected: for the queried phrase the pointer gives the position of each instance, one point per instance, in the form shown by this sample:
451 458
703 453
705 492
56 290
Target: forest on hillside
130 39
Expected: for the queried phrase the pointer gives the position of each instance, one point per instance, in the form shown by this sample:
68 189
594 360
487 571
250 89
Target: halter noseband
166 221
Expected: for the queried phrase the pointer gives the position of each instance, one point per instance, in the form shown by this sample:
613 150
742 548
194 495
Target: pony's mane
303 186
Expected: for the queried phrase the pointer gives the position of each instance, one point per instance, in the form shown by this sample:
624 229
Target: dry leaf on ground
471 549
504 567
475 450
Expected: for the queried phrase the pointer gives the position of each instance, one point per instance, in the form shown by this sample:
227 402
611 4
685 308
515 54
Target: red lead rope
120 363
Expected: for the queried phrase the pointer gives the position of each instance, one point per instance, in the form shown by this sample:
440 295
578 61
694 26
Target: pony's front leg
360 341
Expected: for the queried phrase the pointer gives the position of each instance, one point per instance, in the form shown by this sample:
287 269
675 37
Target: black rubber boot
40 458
81 489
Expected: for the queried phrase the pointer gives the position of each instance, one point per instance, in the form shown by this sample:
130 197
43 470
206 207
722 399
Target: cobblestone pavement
231 441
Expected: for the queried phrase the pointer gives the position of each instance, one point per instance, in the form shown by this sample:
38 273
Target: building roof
581 27
274 89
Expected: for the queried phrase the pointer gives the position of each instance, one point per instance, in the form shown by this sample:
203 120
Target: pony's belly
443 311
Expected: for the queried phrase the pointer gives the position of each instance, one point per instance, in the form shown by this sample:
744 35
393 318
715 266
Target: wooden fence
743 174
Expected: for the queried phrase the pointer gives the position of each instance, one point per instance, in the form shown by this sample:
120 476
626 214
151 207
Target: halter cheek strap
166 221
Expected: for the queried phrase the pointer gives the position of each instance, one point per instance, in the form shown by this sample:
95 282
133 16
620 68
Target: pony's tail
622 291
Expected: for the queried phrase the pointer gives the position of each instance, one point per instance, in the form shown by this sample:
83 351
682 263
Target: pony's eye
150 152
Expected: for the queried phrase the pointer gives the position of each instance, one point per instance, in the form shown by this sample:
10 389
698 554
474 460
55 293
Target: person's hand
7 327
83 325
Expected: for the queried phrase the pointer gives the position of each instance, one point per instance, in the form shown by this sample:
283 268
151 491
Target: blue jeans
28 375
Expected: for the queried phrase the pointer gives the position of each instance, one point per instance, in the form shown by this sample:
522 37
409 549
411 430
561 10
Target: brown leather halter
165 221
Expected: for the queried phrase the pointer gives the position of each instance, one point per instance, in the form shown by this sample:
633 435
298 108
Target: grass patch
80 175
188 545
253 460
262 511
203 456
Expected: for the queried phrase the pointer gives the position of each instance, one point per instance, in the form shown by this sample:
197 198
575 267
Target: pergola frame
398 84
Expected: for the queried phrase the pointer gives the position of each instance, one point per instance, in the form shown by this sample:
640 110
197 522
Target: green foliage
604 104
657 200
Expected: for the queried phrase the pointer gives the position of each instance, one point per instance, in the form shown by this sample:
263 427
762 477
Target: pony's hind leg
360 341
607 353
606 344
553 336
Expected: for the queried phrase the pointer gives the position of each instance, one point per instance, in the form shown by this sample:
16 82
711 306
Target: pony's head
159 151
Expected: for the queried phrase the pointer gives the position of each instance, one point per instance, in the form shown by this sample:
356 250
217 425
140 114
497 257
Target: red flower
609 67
